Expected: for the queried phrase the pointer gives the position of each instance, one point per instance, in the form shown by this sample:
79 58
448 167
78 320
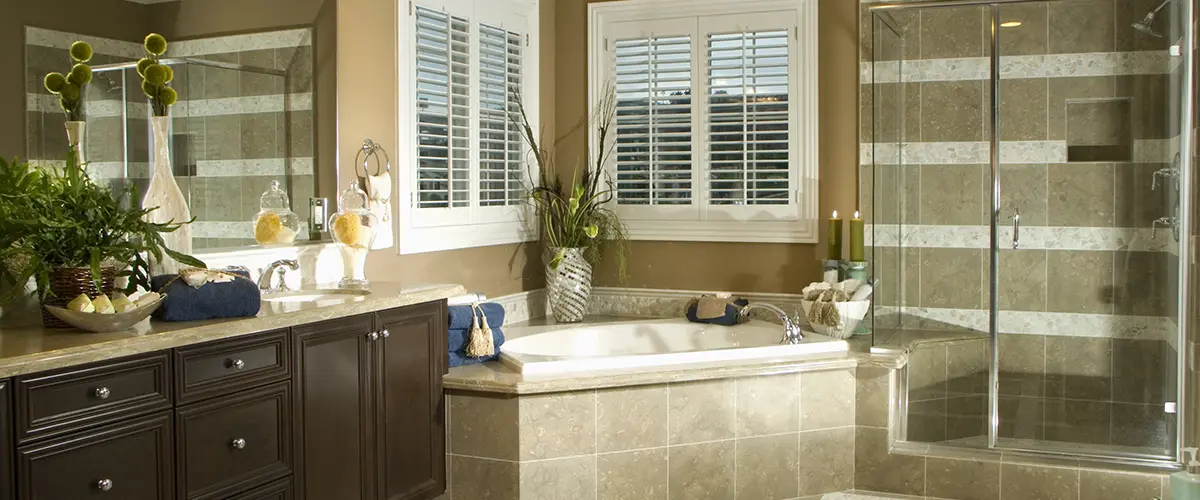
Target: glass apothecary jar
275 223
353 228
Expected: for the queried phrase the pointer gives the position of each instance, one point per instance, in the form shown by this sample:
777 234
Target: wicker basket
66 283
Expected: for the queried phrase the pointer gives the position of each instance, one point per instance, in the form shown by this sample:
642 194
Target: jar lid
274 198
352 198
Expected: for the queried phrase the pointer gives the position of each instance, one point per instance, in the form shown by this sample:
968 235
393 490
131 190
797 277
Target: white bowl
105 323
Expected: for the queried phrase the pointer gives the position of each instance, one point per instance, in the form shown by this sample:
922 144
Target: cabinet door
412 461
7 492
334 409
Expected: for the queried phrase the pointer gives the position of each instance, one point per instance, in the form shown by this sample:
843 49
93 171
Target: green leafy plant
69 88
576 215
156 76
61 219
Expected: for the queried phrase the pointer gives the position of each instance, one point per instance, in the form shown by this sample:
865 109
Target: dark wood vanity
349 408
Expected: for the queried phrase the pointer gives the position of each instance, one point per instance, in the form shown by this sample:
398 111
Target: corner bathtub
652 343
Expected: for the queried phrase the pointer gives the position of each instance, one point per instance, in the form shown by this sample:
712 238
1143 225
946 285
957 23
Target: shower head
1146 25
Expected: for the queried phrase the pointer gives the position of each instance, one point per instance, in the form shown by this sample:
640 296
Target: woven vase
569 285
66 283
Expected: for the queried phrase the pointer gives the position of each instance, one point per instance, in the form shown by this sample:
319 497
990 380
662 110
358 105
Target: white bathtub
657 343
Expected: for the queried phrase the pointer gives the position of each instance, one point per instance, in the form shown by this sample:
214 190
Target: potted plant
73 236
70 88
577 226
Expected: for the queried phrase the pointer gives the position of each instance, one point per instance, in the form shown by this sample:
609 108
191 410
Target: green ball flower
55 82
150 89
155 44
156 74
142 64
71 92
81 52
168 96
170 74
80 75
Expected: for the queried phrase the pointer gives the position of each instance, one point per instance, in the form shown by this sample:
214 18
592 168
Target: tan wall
184 20
754 267
103 18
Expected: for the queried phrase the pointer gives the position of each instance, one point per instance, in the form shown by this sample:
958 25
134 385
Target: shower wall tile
260 135
1142 284
1022 279
899 189
1140 369
299 133
952 111
967 368
259 83
1099 123
220 82
1079 282
1079 368
899 270
926 421
252 188
963 479
927 373
1149 96
1074 421
1022 365
1022 418
1030 37
1130 11
960 198
1081 26
1062 91
1081 194
951 277
1144 426
1023 104
221 198
952 32
299 64
965 417
1139 202
222 137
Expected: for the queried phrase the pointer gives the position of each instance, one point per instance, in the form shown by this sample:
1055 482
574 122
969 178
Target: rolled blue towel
239 298
460 359
729 319
460 316
458 339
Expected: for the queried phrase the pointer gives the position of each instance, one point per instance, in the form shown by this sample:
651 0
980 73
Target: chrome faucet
277 268
791 328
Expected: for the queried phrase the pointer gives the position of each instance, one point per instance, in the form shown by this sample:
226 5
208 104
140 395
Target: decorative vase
569 285
75 132
354 229
165 194
66 283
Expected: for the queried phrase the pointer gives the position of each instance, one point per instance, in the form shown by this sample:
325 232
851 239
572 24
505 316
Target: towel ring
371 150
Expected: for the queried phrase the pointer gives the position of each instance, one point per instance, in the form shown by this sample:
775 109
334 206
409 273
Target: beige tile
952 111
1079 368
1025 482
1022 418
1139 201
483 425
1030 37
475 478
871 399
899 272
1022 365
701 411
1139 370
222 137
1100 485
223 198
558 425
1022 280
1142 425
1061 91
260 136
952 195
299 64
966 416
632 475
952 32
877 470
561 479
893 112
220 82
826 399
631 418
1143 283
1075 421
826 461
1080 281
299 134
1023 109
963 479
926 421
767 467
1081 194
768 405
898 194
1149 95
702 471
951 277
1024 192
927 372
1078 26
967 367
254 84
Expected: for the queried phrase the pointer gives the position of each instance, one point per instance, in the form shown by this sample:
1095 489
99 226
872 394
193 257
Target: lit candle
835 238
856 239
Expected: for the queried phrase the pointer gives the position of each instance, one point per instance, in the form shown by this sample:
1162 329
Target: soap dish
105 323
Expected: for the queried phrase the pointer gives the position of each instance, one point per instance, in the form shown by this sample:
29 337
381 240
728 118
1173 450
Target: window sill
438 239
800 231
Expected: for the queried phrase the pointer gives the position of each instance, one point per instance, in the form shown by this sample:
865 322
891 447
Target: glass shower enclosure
1022 165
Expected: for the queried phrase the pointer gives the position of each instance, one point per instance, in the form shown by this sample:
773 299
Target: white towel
379 194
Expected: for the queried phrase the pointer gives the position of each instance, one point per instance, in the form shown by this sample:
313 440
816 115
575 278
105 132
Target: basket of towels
474 333
836 309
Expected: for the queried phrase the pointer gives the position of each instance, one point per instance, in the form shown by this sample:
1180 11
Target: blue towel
458 339
459 359
460 316
729 319
239 298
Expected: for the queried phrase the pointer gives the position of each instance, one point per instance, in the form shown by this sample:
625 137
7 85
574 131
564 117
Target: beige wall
184 20
734 266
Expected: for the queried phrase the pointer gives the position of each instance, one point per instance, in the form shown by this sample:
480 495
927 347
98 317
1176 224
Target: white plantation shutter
442 109
654 121
500 143
748 120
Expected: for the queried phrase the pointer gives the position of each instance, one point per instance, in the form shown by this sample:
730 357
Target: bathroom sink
315 296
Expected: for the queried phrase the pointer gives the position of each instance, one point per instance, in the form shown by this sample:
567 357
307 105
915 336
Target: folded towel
458 338
459 359
460 316
729 319
238 298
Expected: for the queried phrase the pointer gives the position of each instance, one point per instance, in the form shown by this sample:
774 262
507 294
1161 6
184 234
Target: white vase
165 194
569 285
75 132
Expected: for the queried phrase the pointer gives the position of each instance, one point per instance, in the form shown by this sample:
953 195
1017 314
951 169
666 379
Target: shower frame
1050 453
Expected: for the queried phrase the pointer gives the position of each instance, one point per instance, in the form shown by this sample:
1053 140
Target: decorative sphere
55 82
150 89
142 64
156 44
168 96
80 75
81 52
71 92
156 74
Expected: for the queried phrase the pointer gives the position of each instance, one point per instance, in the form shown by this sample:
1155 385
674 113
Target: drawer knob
104 484
237 364
386 333
373 336
238 444
103 393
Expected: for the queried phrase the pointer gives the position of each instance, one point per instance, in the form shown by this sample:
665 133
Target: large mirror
254 80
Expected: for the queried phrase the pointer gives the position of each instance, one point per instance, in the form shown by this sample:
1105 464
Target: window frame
423 230
795 222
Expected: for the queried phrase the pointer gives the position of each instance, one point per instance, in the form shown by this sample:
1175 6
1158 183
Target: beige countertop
29 348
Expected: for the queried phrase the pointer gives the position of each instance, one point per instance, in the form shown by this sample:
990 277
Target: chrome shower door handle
1016 218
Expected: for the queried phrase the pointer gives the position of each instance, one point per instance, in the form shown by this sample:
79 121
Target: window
715 135
463 66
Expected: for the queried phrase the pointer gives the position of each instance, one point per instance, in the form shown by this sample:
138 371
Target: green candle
835 238
856 239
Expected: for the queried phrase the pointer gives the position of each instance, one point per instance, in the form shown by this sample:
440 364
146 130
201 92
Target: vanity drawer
231 444
229 366
130 461
62 401
278 490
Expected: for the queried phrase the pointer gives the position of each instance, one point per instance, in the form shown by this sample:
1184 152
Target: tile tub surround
781 436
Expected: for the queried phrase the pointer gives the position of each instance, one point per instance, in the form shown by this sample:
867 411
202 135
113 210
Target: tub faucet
791 329
278 267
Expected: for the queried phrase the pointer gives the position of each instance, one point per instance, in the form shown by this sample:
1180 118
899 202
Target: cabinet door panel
333 410
413 448
7 490
279 490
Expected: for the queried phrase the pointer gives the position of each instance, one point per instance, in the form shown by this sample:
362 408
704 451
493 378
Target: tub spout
791 327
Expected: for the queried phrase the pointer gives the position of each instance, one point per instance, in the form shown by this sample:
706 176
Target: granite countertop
29 348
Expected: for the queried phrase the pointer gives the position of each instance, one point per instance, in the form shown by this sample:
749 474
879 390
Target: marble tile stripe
116 170
47 103
1032 237
1150 62
1037 323
222 229
1011 152
264 166
60 40
242 43
245 105
522 306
